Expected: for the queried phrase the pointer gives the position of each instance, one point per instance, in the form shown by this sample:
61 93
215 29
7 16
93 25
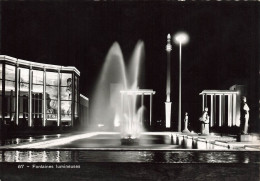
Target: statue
69 88
204 119
244 116
186 120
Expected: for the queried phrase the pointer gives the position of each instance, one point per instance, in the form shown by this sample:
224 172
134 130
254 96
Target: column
234 109
73 100
142 107
151 104
220 110
223 110
30 97
11 103
168 79
206 100
133 110
229 111
215 111
3 97
168 84
17 75
211 111
44 97
203 106
59 103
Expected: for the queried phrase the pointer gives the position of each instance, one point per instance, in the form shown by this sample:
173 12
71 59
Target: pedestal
244 138
168 114
204 129
185 131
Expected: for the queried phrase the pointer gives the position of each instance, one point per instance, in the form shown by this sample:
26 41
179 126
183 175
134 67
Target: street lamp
180 38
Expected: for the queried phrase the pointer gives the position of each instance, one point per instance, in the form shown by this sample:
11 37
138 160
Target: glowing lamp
181 38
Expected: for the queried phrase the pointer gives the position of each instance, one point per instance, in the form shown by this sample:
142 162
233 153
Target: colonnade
223 107
142 93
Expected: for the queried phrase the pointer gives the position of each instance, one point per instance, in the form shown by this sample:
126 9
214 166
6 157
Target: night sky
223 48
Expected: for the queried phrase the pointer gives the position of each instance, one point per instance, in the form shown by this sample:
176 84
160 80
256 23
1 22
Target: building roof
218 92
38 65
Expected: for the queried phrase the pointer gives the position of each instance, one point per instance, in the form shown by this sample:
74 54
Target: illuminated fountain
115 105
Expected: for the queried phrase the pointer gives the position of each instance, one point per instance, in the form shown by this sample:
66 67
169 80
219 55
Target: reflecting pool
149 156
107 148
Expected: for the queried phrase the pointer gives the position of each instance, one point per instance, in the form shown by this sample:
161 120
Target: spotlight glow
30 139
181 38
56 142
100 125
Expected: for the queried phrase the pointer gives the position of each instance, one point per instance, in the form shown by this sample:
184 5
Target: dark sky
223 47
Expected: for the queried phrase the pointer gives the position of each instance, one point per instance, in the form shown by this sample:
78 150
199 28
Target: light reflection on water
131 156
30 139
35 156
65 154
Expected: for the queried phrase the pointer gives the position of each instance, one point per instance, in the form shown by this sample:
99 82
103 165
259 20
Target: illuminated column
229 110
206 100
59 103
168 84
44 97
73 100
151 104
203 105
215 107
17 75
30 97
211 111
220 110
133 111
142 104
3 96
234 109
223 109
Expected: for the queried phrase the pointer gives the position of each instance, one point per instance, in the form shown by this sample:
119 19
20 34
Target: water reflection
132 156
44 156
121 153
16 141
58 156
37 156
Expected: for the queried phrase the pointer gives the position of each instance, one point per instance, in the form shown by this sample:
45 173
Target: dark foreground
130 171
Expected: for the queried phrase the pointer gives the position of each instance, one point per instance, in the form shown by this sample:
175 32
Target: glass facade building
35 94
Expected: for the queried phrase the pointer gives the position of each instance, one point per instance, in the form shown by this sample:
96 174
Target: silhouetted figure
204 119
244 116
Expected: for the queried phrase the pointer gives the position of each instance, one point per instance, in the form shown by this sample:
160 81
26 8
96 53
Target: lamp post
180 39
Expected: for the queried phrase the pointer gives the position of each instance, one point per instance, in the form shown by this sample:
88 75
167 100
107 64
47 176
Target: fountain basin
130 140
